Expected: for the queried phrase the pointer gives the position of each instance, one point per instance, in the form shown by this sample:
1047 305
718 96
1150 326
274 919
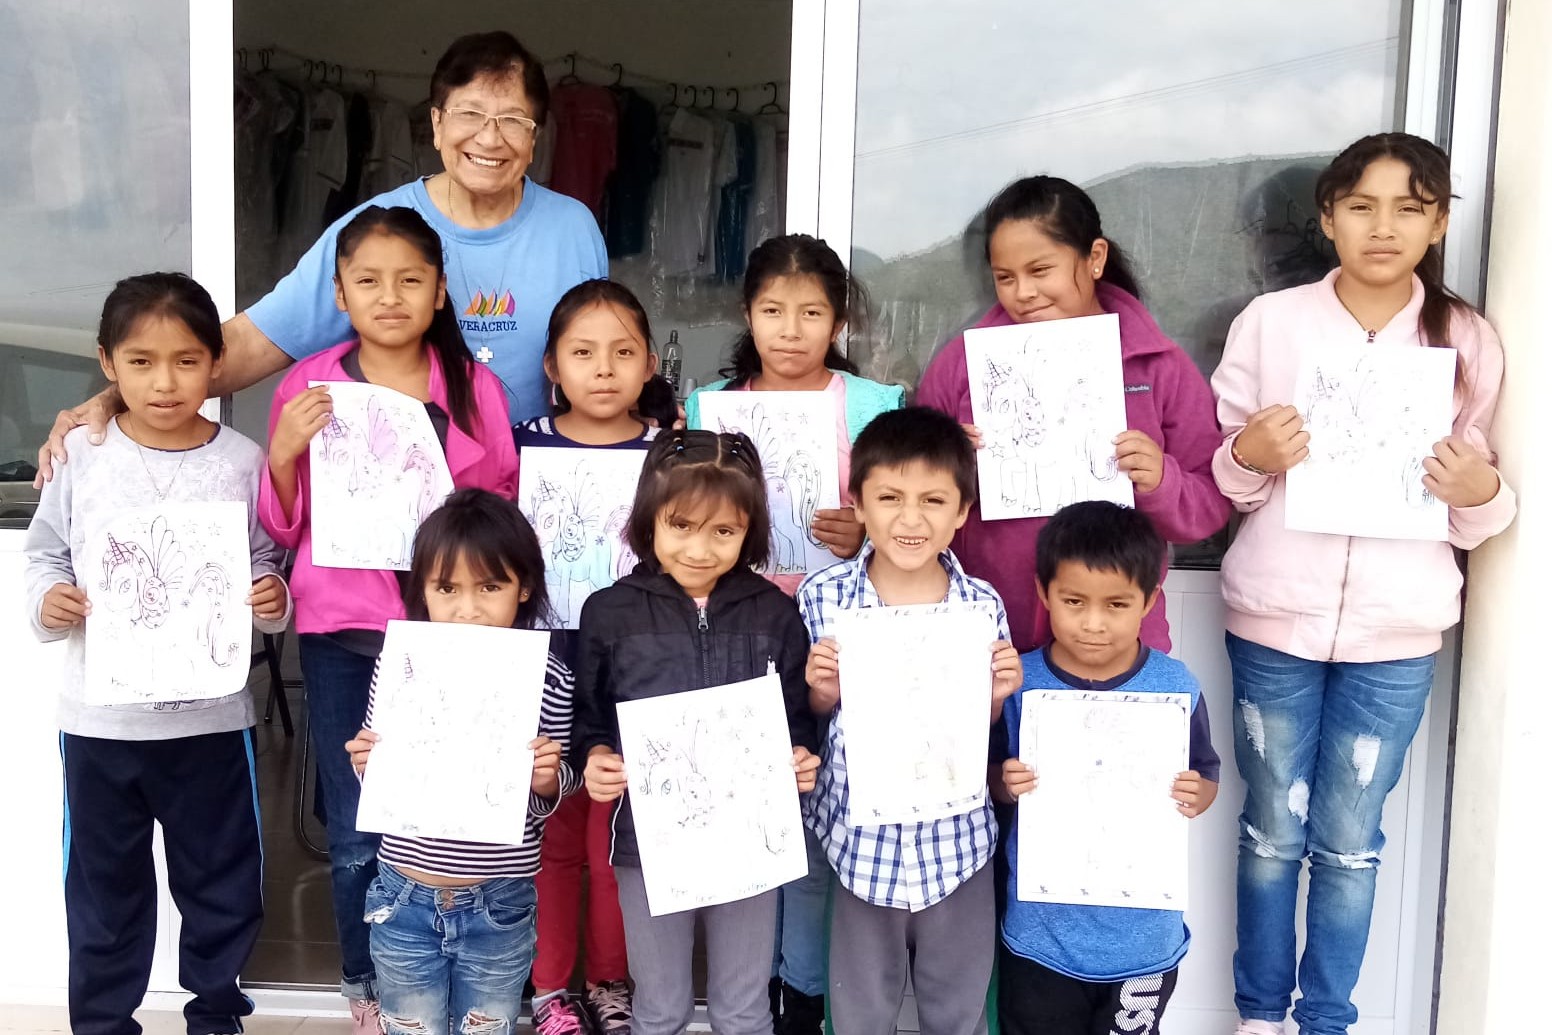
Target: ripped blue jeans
450 960
1320 745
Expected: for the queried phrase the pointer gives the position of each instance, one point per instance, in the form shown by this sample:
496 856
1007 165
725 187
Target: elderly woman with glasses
513 247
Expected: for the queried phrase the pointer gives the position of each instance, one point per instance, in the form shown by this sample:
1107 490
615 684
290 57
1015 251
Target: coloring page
713 794
1102 828
578 501
169 589
455 706
1049 400
916 700
795 434
1373 413
377 470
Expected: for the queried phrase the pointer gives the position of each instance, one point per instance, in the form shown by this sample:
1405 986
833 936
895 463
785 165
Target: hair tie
678 443
733 448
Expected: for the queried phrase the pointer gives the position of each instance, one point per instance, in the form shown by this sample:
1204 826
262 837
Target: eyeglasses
469 122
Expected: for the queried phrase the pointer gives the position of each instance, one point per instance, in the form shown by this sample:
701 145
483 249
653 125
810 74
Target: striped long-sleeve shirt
475 861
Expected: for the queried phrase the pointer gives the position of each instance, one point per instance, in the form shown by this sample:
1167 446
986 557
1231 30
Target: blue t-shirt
1100 943
503 282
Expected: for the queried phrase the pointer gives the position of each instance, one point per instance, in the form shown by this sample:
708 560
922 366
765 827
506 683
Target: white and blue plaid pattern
905 866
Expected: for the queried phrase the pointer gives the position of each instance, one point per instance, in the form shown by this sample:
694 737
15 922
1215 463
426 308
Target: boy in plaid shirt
916 897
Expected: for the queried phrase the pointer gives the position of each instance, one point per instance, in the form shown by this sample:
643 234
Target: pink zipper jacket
330 599
1166 397
1332 597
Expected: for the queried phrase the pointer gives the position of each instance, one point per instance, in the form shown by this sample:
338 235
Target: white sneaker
1259 1028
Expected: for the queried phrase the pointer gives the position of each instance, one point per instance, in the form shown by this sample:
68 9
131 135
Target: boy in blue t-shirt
1076 968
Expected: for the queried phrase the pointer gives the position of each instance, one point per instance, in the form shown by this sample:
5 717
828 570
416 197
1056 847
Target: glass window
1198 130
95 171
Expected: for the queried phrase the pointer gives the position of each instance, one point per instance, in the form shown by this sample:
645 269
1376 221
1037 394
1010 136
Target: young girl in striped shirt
452 922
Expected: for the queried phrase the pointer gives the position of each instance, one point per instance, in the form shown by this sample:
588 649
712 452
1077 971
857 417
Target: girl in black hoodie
693 614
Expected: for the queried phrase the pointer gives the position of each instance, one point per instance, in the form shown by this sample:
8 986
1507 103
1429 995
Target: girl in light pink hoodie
1332 638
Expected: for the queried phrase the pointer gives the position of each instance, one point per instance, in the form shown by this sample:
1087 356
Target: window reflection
1197 134
94 186
1197 129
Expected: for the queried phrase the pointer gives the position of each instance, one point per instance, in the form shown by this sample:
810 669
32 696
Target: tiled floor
297 945
45 1020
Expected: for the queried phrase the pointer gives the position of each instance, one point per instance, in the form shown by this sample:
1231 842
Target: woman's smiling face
485 161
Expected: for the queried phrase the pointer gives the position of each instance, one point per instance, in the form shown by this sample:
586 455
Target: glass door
115 163
1199 130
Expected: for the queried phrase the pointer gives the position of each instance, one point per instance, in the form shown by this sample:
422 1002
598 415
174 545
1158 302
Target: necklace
162 491
452 215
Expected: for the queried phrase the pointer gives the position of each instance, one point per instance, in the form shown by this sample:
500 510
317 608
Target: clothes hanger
712 103
619 75
734 91
772 107
570 78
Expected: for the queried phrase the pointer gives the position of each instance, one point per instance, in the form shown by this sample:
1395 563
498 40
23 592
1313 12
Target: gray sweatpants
947 949
739 936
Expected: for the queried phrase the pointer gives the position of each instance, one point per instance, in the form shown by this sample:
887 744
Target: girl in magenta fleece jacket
1050 260
389 278
1331 638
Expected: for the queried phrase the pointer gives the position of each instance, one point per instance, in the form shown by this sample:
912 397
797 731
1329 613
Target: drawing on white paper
794 433
1106 760
170 583
579 501
670 771
1373 414
1048 399
712 793
453 761
377 471
915 700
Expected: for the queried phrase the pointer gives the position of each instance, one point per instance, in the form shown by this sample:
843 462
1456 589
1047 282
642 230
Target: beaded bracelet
1246 464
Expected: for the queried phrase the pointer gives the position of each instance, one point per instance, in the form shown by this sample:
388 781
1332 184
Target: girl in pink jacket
1332 638
1050 260
389 278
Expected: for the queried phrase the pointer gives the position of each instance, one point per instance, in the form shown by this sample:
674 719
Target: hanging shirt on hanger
733 215
317 168
585 144
638 157
391 160
681 215
764 204
724 170
358 141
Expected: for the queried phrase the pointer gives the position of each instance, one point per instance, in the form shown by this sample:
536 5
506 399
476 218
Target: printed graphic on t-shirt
492 304
489 312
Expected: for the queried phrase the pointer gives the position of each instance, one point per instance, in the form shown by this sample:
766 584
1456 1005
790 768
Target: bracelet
1246 464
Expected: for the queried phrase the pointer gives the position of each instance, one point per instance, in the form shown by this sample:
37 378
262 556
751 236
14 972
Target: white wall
1496 917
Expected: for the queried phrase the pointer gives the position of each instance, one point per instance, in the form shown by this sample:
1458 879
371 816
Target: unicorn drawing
792 490
582 549
672 776
140 580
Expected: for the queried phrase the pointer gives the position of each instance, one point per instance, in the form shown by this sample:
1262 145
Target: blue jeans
338 682
1320 746
445 953
802 934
